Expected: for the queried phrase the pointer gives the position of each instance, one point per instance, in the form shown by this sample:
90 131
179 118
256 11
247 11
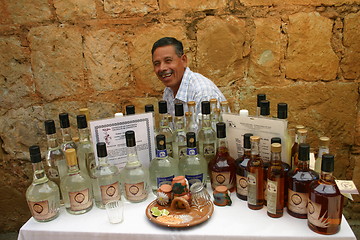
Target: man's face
169 67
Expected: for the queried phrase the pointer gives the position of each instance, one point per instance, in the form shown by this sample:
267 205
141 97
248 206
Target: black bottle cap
149 108
64 120
264 107
205 107
304 152
130 109
282 110
101 149
50 127
81 121
260 97
247 143
160 142
190 140
130 138
327 163
275 140
162 106
220 130
179 109
35 155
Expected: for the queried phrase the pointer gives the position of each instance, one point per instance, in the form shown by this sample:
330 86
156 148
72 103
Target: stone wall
61 55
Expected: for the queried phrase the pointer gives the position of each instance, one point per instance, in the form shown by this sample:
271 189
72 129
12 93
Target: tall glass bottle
42 196
323 149
129 110
301 138
259 98
224 108
150 108
207 136
179 136
67 141
265 108
241 169
191 124
299 180
134 177
255 171
295 145
325 200
164 126
163 168
275 183
282 113
76 186
214 115
222 168
194 166
106 185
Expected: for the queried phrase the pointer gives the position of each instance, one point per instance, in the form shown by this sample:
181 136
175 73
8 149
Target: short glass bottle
67 140
164 126
207 135
323 149
42 196
179 136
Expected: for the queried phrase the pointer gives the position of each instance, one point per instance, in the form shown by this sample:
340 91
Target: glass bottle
179 136
222 168
86 112
325 200
207 136
42 196
265 108
129 110
163 168
299 180
301 138
323 149
193 166
214 115
259 98
241 166
76 186
164 126
191 124
295 145
282 113
150 108
134 177
255 171
224 108
275 183
67 141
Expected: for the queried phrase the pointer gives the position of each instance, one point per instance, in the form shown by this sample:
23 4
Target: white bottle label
220 179
80 200
297 202
110 192
241 185
209 149
272 192
252 189
136 191
40 210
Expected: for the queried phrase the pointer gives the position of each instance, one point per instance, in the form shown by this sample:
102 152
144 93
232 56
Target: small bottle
224 108
191 123
301 138
163 168
193 166
106 184
134 177
214 115
164 126
179 136
323 149
275 183
255 171
260 97
241 166
325 201
42 196
129 110
150 108
67 141
76 186
299 180
295 145
207 136
222 168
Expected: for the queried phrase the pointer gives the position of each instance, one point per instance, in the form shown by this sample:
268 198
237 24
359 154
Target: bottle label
194 178
209 149
182 151
191 151
80 200
90 163
110 192
252 189
271 192
242 185
297 202
135 192
161 153
53 173
40 210
164 180
169 149
220 179
324 217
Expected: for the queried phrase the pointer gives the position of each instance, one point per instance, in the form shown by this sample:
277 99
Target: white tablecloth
230 222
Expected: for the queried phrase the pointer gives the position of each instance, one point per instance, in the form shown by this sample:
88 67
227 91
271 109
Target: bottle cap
119 114
50 127
299 127
64 120
205 107
162 106
191 103
190 140
264 107
213 100
81 121
161 142
86 112
276 147
220 130
302 131
276 140
282 110
130 109
327 163
324 141
149 108
35 155
247 143
130 138
304 152
70 155
255 139
179 109
188 114
260 97
101 149
244 112
224 103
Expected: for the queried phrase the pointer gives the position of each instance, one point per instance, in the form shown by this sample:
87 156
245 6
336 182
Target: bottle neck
132 155
103 161
73 169
206 121
164 122
222 145
161 153
303 164
255 148
179 123
84 135
66 135
275 158
39 173
52 141
191 151
301 139
327 176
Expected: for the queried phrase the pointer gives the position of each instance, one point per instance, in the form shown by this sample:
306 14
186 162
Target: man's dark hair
166 41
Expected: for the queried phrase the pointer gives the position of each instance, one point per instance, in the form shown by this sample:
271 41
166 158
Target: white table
231 222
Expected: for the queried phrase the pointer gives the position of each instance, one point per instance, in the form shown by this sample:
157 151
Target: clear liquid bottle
42 196
194 166
323 149
325 200
191 122
224 108
301 138
134 177
67 140
129 110
150 108
163 168
106 185
259 98
179 136
282 113
207 135
164 126
76 187
299 180
215 113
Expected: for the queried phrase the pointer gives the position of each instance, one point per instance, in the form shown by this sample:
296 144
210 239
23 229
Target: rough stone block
309 55
297 2
192 5
220 45
136 7
73 10
57 61
25 12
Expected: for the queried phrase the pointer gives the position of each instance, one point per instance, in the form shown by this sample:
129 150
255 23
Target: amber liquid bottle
255 176
222 167
275 183
325 200
300 137
241 172
299 180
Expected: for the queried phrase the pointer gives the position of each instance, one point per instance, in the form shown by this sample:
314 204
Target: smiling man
182 85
